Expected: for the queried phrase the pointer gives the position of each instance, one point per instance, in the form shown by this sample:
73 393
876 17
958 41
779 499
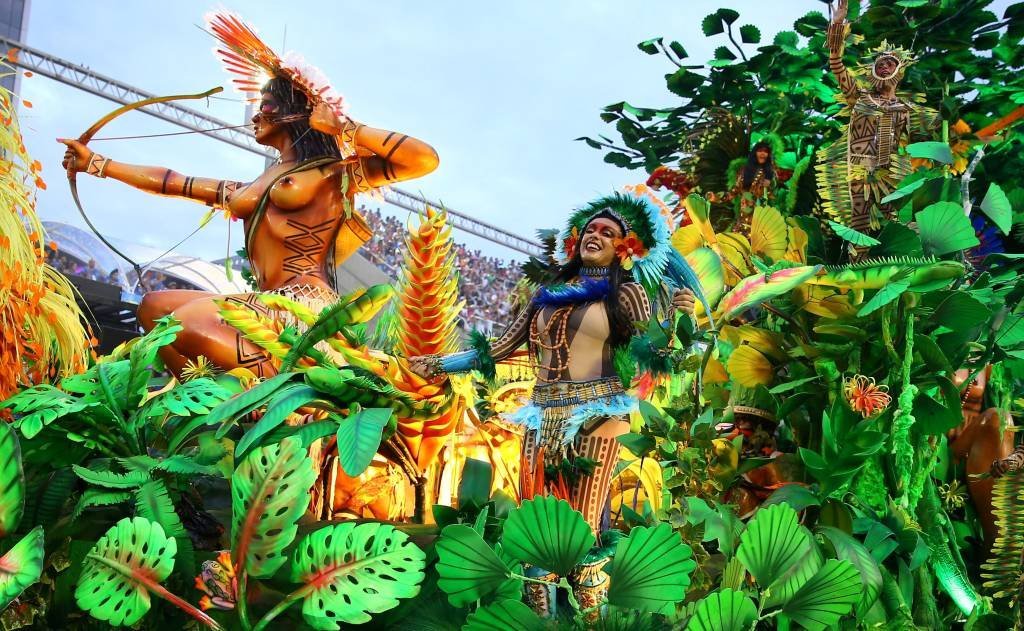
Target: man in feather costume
857 171
617 254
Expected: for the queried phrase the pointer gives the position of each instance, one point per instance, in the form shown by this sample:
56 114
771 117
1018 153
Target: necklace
593 271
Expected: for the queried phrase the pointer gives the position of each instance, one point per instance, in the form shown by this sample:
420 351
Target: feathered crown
903 58
253 63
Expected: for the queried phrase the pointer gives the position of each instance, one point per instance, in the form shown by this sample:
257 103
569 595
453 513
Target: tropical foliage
800 458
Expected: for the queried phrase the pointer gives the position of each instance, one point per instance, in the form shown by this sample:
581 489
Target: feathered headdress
645 247
903 58
253 63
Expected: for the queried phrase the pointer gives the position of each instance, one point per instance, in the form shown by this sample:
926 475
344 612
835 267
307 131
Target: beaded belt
558 400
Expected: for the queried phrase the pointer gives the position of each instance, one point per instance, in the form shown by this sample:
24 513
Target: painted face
885 67
762 155
597 246
263 120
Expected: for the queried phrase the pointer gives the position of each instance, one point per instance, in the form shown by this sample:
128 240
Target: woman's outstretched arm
151 179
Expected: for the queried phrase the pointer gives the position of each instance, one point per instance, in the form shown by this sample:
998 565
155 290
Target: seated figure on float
572 327
298 215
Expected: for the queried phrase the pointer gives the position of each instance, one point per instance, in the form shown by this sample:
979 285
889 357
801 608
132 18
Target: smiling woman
298 215
616 254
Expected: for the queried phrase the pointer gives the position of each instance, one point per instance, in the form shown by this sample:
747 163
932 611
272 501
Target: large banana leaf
359 438
350 571
503 615
724 610
125 565
467 568
753 290
21 566
269 492
284 403
547 533
12 481
772 542
651 569
826 597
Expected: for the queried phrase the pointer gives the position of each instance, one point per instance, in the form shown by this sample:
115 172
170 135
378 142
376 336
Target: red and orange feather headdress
252 62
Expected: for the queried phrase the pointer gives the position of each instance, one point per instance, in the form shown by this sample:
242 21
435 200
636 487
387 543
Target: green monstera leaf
651 569
506 615
468 569
772 542
36 407
12 481
547 533
191 398
21 566
724 610
269 492
350 571
125 566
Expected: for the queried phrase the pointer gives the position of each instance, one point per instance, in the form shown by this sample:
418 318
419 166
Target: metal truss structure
93 82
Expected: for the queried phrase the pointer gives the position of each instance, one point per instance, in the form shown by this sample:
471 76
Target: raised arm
836 41
156 180
396 156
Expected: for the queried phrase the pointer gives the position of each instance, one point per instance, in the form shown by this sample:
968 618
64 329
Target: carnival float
774 385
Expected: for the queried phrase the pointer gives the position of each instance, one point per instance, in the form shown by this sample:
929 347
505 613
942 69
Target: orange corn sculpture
428 306
42 335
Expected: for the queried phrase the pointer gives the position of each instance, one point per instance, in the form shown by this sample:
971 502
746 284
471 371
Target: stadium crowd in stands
485 282
152 280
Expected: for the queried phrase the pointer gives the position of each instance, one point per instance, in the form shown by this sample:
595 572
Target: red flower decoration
672 179
865 397
570 243
629 248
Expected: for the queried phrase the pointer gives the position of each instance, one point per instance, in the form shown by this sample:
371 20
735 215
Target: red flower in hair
570 243
628 248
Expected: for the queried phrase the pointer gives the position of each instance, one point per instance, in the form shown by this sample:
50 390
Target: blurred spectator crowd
151 280
486 283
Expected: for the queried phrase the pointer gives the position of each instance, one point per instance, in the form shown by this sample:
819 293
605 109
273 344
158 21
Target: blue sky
500 90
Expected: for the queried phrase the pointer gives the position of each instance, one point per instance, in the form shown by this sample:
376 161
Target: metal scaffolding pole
93 82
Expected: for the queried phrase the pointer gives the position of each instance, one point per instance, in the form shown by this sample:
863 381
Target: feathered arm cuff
478 357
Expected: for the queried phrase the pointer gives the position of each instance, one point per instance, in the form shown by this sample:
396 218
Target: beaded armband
835 38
